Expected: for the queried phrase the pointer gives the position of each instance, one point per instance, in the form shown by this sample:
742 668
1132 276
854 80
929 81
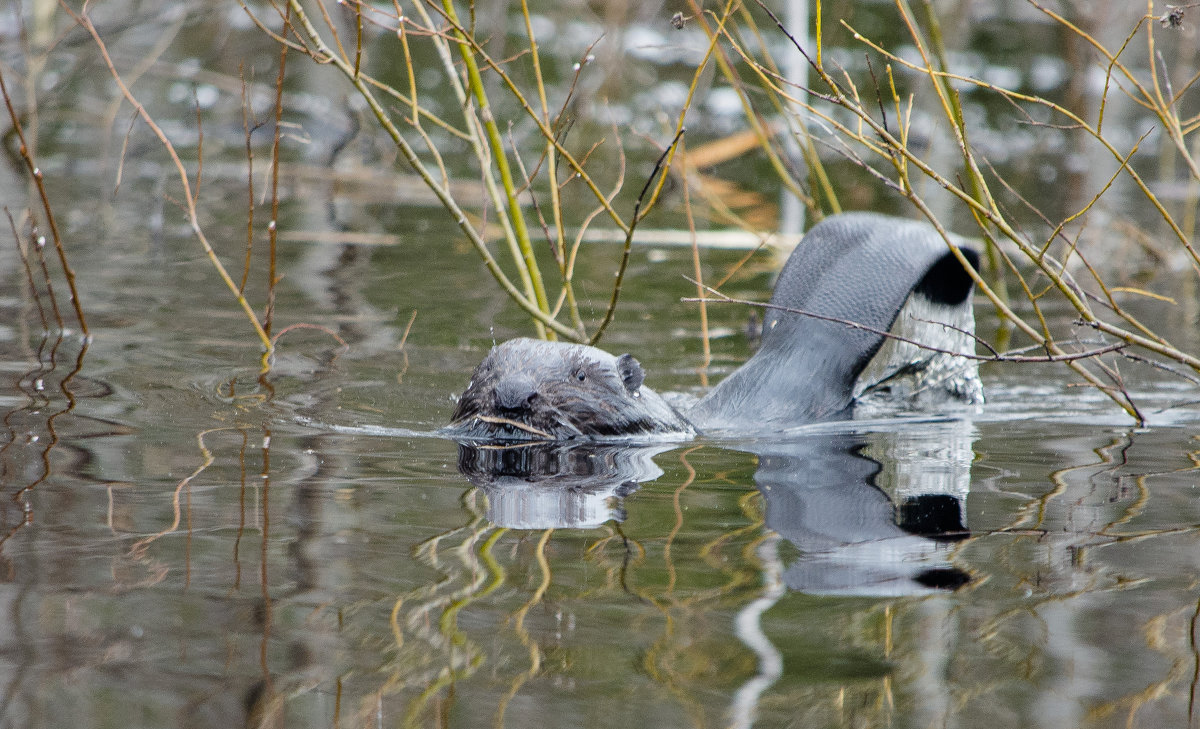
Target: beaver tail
855 267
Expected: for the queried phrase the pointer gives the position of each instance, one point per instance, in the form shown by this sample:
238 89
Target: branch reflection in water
31 436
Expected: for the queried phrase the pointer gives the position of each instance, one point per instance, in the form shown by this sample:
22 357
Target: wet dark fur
529 389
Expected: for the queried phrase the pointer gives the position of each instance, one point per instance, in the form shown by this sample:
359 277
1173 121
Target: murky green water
184 544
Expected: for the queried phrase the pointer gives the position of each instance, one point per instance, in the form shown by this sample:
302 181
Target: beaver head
527 389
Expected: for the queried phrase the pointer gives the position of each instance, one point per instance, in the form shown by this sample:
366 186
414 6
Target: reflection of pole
747 627
795 68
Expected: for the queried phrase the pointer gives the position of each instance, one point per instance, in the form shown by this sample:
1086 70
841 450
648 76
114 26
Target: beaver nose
515 393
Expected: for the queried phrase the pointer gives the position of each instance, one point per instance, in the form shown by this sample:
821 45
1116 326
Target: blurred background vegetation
1059 134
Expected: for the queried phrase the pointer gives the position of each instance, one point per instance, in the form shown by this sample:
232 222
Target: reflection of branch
138 550
318 327
749 630
994 357
535 655
454 640
678 508
1194 644
37 401
237 541
445 598
670 651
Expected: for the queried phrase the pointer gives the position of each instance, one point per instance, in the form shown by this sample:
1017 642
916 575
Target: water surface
186 543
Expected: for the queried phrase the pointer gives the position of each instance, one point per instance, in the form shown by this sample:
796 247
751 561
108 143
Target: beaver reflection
821 495
556 485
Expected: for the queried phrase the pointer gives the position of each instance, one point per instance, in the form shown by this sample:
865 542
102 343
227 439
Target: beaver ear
631 371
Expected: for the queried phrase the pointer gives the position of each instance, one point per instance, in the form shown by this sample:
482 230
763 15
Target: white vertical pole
795 67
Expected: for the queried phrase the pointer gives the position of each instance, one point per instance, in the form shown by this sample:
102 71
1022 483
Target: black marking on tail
946 281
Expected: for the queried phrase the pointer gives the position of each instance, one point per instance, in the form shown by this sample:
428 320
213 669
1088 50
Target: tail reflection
867 527
863 528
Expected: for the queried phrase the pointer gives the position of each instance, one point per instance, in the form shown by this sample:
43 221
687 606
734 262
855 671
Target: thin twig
35 173
721 298
246 111
199 148
633 222
39 248
83 20
442 193
500 159
33 292
273 225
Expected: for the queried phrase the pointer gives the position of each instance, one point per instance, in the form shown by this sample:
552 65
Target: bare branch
721 298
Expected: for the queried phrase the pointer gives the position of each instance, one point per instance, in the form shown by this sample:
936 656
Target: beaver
528 389
869 269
